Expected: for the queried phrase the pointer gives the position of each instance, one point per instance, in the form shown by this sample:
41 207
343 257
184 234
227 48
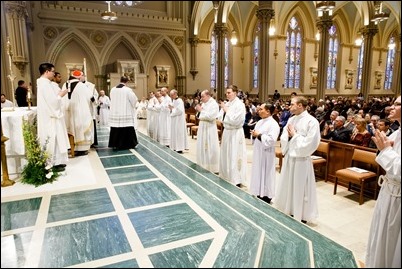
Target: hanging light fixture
325 6
379 15
233 39
109 15
215 4
127 3
272 29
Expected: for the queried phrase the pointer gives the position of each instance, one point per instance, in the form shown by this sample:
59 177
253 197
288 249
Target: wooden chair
192 121
361 159
279 155
72 145
322 152
219 125
193 131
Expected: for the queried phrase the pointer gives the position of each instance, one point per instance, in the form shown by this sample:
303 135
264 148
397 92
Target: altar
11 122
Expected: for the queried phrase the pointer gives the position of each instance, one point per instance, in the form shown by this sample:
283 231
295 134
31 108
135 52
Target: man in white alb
178 137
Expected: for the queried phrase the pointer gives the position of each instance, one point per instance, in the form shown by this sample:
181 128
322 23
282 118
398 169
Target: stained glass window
293 52
332 57
389 66
256 52
360 67
213 60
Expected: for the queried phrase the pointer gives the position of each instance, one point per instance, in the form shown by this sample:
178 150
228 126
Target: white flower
48 166
49 175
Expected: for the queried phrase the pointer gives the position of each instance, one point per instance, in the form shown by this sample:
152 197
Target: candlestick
85 69
11 76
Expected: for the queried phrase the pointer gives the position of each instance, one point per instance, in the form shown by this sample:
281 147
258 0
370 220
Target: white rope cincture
389 184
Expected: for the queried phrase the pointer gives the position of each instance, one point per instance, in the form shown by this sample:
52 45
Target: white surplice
122 113
384 243
178 137
104 109
50 120
296 193
164 121
233 154
78 110
263 171
207 136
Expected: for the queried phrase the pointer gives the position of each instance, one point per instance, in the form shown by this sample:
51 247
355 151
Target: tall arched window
360 67
293 54
256 49
389 67
214 61
332 57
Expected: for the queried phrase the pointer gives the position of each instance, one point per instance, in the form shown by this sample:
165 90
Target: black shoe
238 185
266 199
81 153
58 169
61 165
180 151
304 221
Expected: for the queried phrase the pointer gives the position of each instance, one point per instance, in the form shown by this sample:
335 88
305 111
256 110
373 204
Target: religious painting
129 69
313 77
162 75
378 79
349 78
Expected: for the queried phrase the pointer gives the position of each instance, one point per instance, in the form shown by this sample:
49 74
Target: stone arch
57 47
172 51
122 38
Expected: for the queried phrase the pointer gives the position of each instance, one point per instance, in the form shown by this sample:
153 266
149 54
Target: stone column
221 31
264 14
323 24
368 33
16 15
194 43
397 76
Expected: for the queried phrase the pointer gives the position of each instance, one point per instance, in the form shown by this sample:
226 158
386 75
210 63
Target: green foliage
39 169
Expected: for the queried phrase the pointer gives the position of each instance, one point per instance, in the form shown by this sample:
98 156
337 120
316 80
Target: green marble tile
146 193
104 152
124 264
14 249
116 161
127 174
184 257
79 204
167 224
81 242
19 214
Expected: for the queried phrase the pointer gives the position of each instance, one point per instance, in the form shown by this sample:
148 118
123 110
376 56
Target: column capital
265 14
221 30
369 31
16 8
324 23
194 41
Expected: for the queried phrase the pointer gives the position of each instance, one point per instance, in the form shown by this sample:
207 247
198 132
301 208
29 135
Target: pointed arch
58 47
122 38
172 50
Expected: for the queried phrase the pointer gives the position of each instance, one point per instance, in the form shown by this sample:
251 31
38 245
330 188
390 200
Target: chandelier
379 15
127 3
109 15
323 6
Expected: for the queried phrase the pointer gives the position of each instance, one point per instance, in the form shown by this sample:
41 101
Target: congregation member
263 171
233 153
5 102
52 132
360 136
77 104
336 131
104 107
164 120
21 94
122 115
207 134
296 193
384 242
178 136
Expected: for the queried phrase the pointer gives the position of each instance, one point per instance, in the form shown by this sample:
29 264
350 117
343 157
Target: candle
29 95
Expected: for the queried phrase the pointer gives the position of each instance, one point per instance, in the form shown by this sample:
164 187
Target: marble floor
152 207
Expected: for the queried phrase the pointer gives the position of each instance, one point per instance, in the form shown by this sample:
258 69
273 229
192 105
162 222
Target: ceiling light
325 6
127 3
109 15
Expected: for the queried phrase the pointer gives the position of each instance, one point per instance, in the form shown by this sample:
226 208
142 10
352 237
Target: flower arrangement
39 169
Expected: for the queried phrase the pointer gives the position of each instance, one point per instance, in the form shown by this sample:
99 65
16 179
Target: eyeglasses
397 104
